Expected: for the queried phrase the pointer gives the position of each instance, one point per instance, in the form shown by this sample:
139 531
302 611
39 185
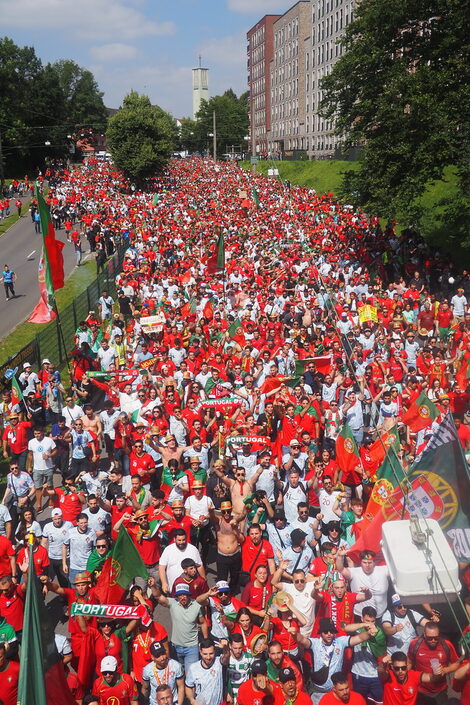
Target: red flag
208 311
421 413
347 455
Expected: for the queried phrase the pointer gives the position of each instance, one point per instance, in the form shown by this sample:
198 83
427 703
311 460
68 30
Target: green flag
156 198
16 393
440 482
233 327
216 262
120 569
42 677
255 197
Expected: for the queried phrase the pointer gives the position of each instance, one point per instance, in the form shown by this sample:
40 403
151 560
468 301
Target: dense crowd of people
203 415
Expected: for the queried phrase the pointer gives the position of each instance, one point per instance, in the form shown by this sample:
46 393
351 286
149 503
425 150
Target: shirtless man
229 540
170 451
239 488
91 422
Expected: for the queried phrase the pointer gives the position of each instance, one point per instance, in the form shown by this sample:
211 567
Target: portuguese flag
50 268
421 413
389 476
119 569
379 448
322 364
16 393
216 262
42 677
347 454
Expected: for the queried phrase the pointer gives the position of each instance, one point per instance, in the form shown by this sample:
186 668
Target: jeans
185 655
21 458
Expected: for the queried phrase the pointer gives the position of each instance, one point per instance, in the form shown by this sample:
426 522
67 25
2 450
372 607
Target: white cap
46 360
26 364
56 513
109 663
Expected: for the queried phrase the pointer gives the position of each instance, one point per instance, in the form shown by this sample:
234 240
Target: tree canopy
231 123
141 137
42 103
401 91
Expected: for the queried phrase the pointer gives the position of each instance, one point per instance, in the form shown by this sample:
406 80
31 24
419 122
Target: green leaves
401 91
141 137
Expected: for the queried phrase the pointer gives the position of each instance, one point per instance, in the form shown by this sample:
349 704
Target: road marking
31 254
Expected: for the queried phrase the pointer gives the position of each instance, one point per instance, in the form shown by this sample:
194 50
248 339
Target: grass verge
13 218
323 176
24 332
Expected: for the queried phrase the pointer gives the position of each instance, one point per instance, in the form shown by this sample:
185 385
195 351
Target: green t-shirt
7 633
184 622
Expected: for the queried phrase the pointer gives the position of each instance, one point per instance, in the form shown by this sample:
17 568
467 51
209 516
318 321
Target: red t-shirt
282 635
396 693
123 693
331 699
252 556
17 436
141 466
185 523
12 608
71 596
69 503
462 686
6 550
255 597
197 586
148 547
141 655
9 683
249 695
421 660
40 558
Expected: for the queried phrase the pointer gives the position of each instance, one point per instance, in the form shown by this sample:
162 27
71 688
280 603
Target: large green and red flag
421 413
378 449
50 268
119 569
347 454
42 678
16 393
441 487
322 364
216 262
390 475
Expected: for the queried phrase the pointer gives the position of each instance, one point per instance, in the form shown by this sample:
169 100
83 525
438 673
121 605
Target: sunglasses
400 668
101 545
107 673
299 582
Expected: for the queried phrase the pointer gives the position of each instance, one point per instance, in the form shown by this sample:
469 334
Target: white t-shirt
207 682
171 559
55 536
199 507
401 640
377 582
304 603
165 676
106 357
98 521
81 545
327 502
71 414
38 448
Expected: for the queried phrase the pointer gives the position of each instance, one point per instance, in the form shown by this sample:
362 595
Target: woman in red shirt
257 592
245 626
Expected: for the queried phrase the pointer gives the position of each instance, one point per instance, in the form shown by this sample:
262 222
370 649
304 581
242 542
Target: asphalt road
20 248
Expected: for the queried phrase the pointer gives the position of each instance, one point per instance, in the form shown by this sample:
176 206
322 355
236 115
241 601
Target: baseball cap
259 668
157 648
56 513
286 674
222 586
109 663
396 599
182 589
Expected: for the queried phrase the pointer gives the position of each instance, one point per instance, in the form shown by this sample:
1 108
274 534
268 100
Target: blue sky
146 45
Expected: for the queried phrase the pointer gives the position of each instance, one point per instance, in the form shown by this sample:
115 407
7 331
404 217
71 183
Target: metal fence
48 342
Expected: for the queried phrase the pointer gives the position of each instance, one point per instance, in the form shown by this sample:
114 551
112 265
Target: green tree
188 139
141 137
231 122
401 91
83 99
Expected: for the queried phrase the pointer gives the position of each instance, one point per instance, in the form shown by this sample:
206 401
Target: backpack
415 648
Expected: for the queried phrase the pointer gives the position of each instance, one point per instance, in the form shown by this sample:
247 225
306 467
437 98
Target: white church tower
200 87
